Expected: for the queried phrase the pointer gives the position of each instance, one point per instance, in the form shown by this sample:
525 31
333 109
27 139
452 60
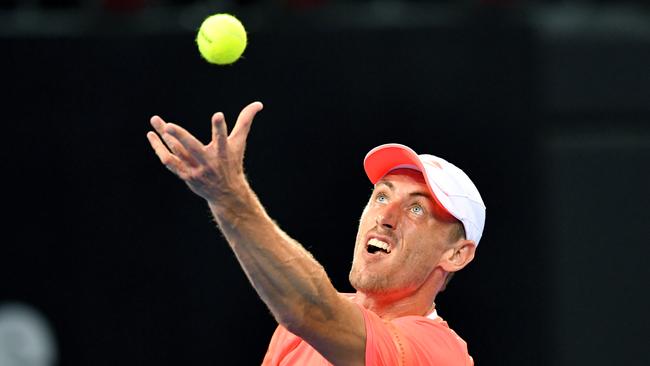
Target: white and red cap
450 187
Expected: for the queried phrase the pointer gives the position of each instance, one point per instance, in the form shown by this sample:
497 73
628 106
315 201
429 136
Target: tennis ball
221 39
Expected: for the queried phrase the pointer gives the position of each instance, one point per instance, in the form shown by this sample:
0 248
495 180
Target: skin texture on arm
292 284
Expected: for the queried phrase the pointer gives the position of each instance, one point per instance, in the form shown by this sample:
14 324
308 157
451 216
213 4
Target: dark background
545 105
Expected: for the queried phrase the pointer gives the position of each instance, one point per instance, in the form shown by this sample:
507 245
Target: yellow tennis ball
221 39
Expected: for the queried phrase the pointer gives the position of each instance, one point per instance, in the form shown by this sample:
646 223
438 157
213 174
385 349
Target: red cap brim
384 158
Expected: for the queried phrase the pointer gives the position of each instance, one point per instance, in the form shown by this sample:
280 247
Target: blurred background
108 259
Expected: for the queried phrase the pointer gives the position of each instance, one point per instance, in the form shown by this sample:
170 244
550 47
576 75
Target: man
421 224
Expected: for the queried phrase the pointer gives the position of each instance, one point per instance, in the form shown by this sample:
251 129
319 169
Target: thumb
245 120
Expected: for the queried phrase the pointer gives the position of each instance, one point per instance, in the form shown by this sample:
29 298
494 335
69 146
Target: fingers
219 130
168 159
185 148
188 147
245 120
171 143
158 124
179 149
158 147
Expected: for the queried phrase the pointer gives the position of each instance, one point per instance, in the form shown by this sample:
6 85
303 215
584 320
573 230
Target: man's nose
387 217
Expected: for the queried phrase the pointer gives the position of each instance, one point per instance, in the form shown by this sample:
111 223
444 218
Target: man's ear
458 256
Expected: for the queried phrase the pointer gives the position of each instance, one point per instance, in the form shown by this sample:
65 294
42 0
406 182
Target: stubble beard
388 281
364 280
371 282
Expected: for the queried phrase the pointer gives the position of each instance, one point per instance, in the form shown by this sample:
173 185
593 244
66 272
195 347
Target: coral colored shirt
408 341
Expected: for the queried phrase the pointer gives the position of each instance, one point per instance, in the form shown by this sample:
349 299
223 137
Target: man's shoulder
431 323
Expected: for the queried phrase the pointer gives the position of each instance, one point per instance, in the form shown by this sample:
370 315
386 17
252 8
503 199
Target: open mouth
377 246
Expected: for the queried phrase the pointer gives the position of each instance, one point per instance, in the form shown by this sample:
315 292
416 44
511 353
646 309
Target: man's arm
292 284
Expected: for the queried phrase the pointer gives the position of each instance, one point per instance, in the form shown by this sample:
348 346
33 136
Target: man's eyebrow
421 194
386 183
412 194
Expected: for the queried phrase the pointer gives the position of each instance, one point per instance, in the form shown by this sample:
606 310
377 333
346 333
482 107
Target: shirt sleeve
413 340
282 343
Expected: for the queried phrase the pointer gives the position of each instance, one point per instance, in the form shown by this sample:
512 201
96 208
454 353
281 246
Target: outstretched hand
213 171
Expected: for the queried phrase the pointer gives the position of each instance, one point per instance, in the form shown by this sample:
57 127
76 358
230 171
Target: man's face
402 236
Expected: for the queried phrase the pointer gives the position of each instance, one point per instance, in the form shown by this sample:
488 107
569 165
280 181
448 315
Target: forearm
293 285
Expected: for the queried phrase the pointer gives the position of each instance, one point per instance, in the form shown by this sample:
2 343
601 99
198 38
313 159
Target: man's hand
214 171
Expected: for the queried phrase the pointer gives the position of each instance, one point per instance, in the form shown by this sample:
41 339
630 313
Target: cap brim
384 158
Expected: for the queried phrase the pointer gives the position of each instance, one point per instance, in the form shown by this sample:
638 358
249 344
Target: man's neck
391 310
389 307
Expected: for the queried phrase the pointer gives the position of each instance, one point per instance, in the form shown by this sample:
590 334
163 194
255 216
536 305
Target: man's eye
381 198
417 209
